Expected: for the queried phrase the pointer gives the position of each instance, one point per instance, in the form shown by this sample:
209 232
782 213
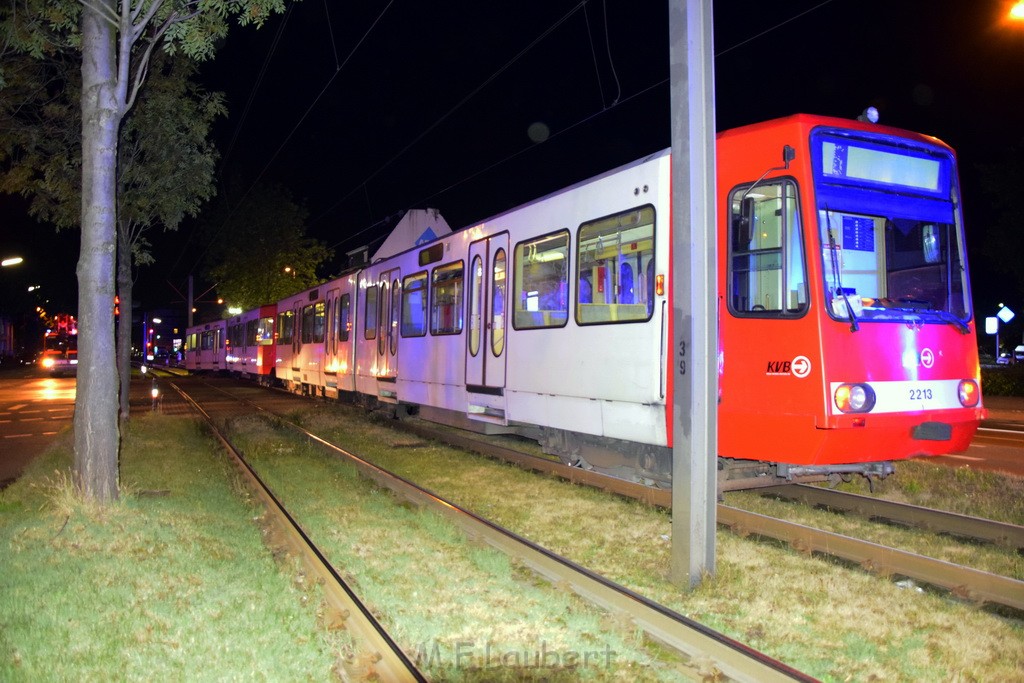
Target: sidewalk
1010 408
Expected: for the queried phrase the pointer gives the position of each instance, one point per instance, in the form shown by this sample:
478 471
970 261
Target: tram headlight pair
969 393
855 398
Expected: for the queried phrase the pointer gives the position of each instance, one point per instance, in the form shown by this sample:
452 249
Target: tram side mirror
788 154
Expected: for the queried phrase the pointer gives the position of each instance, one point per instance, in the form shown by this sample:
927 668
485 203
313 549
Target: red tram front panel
846 329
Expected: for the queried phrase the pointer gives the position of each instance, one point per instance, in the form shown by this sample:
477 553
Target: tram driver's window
767 275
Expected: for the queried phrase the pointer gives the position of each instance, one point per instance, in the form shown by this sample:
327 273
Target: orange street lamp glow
1017 11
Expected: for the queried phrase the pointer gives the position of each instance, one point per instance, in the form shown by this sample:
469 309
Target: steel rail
376 647
702 645
965 526
972 584
962 581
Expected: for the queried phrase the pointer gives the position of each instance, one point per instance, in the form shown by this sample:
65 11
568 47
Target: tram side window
206 341
542 282
344 317
414 305
370 314
285 327
307 324
265 331
616 258
447 288
767 275
250 332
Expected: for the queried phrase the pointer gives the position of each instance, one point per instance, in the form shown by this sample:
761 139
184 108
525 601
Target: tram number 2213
920 394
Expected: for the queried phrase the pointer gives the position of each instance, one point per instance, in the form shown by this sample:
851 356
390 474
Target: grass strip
172 582
818 615
464 611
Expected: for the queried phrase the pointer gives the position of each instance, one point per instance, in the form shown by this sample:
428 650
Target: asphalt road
34 408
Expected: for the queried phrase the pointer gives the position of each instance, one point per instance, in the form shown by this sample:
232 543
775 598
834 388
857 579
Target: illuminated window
446 299
542 282
414 305
344 317
615 257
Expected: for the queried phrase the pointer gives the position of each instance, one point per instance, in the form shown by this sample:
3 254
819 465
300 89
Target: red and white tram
847 335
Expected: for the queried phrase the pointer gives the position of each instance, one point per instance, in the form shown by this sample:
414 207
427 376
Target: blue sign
858 233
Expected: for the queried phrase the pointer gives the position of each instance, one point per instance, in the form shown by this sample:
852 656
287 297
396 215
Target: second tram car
846 330
250 349
206 347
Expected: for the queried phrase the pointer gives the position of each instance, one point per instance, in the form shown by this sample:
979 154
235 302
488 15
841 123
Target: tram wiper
840 291
948 317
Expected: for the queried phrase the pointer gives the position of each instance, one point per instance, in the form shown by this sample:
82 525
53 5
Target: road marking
32 419
17 436
965 457
18 406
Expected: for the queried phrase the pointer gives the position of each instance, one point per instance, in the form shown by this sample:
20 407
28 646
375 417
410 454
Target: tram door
488 294
389 300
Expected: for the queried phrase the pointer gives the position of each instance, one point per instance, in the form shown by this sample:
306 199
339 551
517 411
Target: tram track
962 581
698 644
374 645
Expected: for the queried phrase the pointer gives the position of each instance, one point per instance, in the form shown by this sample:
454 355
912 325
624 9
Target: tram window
767 276
498 304
319 321
542 282
307 324
476 285
344 317
265 331
250 332
370 314
446 299
285 327
414 305
313 317
396 300
615 256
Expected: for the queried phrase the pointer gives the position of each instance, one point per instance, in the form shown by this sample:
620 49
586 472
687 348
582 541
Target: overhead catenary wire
287 139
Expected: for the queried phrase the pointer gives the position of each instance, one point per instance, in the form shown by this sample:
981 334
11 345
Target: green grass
833 621
171 583
464 611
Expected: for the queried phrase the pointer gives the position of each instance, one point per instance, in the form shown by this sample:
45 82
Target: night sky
366 109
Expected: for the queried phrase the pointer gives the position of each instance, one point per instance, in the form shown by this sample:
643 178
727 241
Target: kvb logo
799 367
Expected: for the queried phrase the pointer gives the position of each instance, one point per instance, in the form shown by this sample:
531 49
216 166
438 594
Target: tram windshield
890 228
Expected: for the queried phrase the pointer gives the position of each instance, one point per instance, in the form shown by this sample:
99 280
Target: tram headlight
969 393
855 398
47 363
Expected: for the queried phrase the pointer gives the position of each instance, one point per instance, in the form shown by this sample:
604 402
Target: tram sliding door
485 342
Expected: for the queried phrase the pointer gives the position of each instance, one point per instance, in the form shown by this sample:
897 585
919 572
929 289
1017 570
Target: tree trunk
97 436
124 325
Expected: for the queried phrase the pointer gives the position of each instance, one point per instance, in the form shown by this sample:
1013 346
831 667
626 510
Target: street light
12 261
1017 11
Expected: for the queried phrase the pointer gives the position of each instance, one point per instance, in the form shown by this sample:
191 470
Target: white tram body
206 347
482 323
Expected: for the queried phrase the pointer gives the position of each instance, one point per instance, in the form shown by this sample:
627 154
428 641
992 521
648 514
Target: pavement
1004 408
